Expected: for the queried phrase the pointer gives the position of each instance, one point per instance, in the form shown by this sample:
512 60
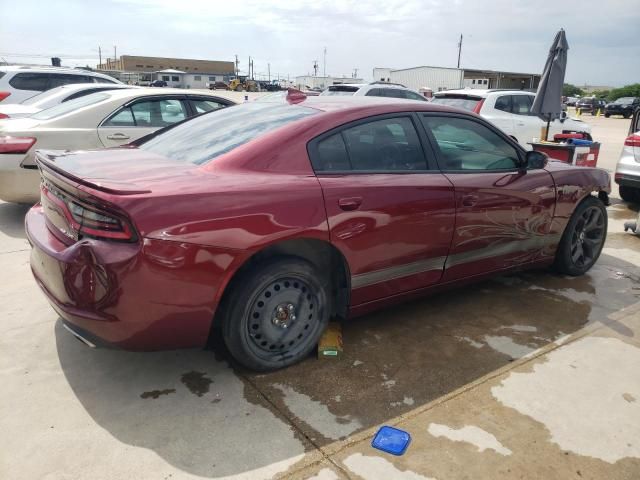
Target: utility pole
249 68
315 68
269 72
459 50
355 73
99 55
237 65
324 66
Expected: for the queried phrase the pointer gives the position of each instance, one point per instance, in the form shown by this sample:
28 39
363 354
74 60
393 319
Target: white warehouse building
310 81
443 78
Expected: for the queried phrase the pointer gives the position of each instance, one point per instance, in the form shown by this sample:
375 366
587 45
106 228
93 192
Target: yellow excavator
240 84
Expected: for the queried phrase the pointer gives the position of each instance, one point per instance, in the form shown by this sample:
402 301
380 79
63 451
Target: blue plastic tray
391 440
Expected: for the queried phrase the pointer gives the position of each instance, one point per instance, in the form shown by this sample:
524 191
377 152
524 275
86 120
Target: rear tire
583 238
630 194
275 313
607 115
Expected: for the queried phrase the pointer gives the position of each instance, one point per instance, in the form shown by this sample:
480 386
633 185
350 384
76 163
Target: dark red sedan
267 219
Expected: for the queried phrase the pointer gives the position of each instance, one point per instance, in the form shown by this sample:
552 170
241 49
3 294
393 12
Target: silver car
628 168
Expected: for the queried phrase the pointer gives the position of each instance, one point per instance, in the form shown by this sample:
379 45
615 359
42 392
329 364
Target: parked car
628 168
158 83
218 86
17 83
375 89
590 105
53 97
624 106
571 101
103 119
268 219
509 110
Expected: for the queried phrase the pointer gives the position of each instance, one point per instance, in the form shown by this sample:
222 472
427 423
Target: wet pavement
470 372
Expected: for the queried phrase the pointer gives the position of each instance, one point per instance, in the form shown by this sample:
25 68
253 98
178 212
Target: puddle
507 346
372 468
317 415
583 385
157 393
196 382
476 436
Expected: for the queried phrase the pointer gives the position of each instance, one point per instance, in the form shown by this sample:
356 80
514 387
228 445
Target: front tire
275 314
583 238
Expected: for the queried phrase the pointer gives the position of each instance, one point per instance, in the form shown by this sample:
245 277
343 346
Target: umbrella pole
546 133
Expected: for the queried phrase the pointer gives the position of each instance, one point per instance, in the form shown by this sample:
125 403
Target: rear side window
2 74
466 103
202 105
204 138
395 93
30 81
375 92
521 104
388 145
503 103
414 96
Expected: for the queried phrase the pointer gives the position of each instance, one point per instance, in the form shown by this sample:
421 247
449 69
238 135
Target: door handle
350 203
469 200
118 136
521 124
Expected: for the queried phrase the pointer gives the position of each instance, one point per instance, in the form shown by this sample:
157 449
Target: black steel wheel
275 314
583 238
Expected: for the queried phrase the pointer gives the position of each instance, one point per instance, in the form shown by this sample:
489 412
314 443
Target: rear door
503 214
499 111
528 126
390 211
141 117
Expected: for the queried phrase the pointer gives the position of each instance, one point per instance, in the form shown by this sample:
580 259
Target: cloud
512 35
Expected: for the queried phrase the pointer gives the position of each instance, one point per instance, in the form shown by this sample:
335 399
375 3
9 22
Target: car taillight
632 140
16 144
3 115
478 107
4 95
89 220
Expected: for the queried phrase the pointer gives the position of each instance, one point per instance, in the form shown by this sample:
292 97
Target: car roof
480 92
151 91
30 68
349 102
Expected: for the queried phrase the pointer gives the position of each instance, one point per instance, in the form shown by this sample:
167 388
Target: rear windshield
340 90
205 137
466 103
70 106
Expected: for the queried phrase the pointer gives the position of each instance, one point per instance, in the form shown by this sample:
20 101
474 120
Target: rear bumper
628 169
144 296
18 185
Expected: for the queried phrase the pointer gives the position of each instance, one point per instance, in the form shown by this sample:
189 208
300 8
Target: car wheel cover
587 237
282 319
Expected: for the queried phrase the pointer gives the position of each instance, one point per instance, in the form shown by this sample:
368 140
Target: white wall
435 78
304 81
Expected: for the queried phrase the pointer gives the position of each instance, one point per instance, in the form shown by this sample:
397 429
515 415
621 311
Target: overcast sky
511 35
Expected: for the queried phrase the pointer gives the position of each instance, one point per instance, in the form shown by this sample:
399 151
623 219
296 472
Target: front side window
521 104
414 96
380 146
468 146
30 81
201 106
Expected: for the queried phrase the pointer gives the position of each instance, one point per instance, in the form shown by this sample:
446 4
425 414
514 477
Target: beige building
131 63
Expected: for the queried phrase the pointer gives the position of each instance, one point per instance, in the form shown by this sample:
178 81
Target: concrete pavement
531 375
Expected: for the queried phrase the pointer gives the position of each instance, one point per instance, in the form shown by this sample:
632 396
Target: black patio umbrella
548 102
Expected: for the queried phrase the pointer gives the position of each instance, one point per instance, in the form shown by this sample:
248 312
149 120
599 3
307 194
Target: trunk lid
117 171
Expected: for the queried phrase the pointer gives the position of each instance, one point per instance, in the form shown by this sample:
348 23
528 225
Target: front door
503 214
390 212
139 119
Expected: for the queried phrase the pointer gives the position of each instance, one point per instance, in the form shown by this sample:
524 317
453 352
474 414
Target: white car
102 119
628 168
53 97
509 110
17 83
375 89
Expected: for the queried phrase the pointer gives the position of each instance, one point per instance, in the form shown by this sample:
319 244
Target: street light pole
459 50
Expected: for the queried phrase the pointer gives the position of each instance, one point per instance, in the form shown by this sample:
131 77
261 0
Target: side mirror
536 160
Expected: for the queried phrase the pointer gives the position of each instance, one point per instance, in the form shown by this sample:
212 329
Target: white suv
18 83
375 89
509 110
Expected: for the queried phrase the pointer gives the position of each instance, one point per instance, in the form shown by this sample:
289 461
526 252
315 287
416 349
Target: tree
569 90
632 90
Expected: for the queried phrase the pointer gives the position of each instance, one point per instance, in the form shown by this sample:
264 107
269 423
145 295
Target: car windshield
624 100
340 90
70 106
466 103
206 137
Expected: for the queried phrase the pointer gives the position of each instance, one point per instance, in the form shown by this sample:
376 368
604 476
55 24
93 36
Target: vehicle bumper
151 295
628 169
18 185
